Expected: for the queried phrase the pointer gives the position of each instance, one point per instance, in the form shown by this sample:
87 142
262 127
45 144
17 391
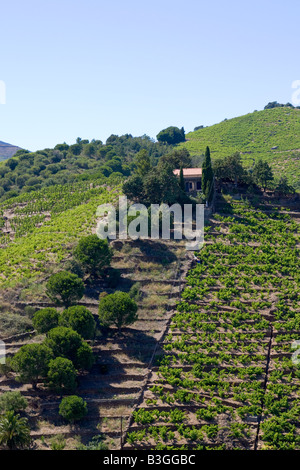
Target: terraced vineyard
225 378
114 385
272 135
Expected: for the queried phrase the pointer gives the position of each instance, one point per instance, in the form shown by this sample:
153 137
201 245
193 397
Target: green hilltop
272 135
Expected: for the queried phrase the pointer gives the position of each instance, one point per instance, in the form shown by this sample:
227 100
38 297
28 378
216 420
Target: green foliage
81 161
67 343
84 357
133 188
117 309
162 186
142 163
57 442
262 173
73 215
96 443
14 431
61 375
80 319
171 135
283 188
45 319
31 362
64 342
207 177
12 401
254 136
229 168
72 408
93 253
176 159
65 288
217 347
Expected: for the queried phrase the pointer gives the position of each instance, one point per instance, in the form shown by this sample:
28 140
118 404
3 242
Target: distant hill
7 150
272 135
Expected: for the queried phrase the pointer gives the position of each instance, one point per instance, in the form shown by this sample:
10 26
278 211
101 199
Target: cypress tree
207 176
181 179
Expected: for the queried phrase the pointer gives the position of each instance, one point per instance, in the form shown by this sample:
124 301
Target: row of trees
64 352
261 174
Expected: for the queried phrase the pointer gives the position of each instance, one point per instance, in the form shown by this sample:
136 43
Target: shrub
65 288
61 375
64 342
73 408
57 442
45 319
31 362
93 254
117 309
12 401
84 357
80 319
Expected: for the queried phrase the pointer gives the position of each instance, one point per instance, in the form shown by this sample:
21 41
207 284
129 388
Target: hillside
64 164
272 135
7 150
207 360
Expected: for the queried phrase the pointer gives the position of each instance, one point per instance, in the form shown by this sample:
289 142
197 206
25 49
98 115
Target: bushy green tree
93 254
162 186
283 188
63 342
229 167
84 357
73 408
262 174
80 319
117 309
45 319
142 162
12 401
31 362
171 135
176 159
61 375
133 188
65 288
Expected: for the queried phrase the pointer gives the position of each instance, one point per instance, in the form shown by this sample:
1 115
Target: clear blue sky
94 68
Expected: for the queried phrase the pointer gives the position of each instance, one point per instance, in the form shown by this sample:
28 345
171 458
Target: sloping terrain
114 385
7 150
272 135
225 378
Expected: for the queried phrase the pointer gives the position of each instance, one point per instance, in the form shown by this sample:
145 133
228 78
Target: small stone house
192 179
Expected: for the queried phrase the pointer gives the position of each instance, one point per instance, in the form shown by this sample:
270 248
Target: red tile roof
189 172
